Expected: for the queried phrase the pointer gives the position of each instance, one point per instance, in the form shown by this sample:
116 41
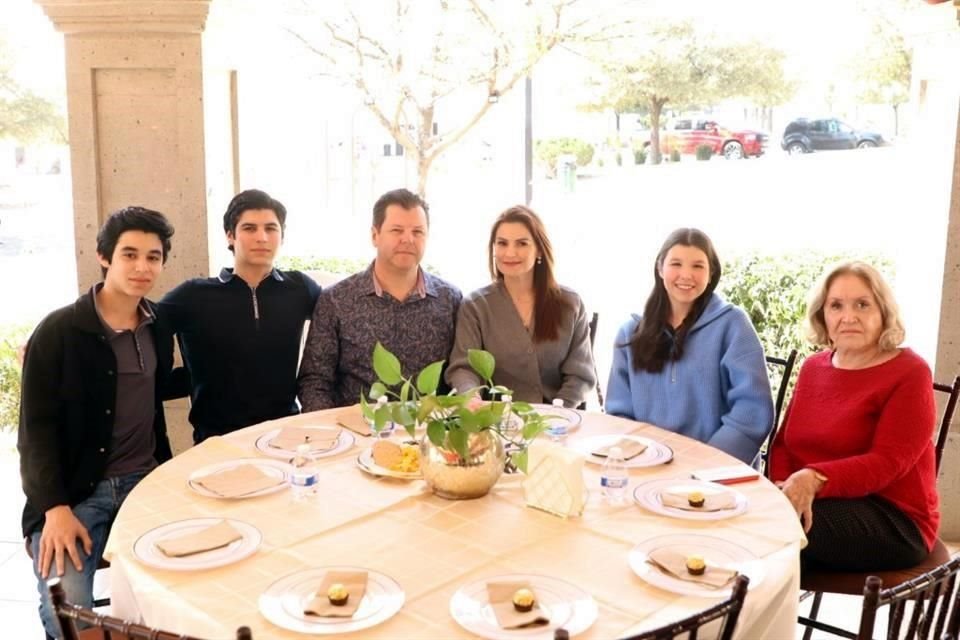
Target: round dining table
431 547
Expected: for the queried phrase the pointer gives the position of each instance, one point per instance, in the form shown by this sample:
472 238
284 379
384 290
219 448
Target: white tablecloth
432 546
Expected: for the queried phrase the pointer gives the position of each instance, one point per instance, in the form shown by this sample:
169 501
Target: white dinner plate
283 602
146 551
559 416
566 605
344 441
647 495
273 468
366 463
655 454
715 551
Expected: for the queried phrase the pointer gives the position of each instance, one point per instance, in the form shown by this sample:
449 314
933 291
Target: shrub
11 339
600 161
704 152
674 155
640 156
619 159
547 151
773 290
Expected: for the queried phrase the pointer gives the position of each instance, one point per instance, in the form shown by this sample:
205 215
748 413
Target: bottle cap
303 449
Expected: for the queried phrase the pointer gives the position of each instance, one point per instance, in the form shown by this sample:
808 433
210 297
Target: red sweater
869 431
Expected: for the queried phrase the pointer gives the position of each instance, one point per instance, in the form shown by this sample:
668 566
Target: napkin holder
554 481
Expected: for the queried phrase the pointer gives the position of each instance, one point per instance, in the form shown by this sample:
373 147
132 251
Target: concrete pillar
948 344
135 108
136 121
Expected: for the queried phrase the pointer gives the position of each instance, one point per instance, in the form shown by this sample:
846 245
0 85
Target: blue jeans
96 513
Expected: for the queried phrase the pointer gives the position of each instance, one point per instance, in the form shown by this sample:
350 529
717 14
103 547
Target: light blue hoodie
717 392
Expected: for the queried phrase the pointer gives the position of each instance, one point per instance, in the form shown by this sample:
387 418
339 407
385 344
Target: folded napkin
631 448
238 481
290 438
219 535
674 563
500 595
356 584
353 419
720 501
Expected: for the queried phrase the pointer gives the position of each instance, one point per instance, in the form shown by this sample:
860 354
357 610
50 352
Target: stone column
136 121
948 345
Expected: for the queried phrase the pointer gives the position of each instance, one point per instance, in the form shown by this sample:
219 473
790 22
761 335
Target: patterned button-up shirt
349 319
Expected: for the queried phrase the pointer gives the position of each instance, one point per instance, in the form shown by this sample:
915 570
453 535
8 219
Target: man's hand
801 488
59 538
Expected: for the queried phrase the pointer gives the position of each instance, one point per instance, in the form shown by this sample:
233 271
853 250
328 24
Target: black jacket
66 407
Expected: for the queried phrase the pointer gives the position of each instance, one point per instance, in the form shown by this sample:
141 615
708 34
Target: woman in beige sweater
537 330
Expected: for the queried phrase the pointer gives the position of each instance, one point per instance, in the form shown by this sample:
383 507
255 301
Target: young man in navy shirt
240 332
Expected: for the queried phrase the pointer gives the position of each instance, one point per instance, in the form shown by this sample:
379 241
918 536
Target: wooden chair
816 583
787 364
727 613
594 322
107 627
933 595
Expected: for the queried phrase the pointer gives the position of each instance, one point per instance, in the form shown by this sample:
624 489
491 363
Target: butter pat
554 481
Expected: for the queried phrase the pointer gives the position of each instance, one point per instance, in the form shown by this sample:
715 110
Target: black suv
803 136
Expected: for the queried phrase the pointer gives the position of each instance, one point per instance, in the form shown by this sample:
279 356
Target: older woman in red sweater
855 454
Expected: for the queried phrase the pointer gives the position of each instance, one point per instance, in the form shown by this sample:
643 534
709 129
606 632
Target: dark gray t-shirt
133 443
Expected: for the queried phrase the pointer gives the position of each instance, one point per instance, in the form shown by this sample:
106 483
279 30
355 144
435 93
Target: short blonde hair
892 334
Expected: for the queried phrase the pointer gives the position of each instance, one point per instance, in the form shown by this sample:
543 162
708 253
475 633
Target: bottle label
304 480
614 482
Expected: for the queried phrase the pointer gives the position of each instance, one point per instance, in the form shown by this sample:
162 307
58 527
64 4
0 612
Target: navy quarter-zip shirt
241 345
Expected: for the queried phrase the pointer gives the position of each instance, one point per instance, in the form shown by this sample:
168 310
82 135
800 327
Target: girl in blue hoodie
692 363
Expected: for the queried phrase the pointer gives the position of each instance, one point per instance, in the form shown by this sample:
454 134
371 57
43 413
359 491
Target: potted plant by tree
467 439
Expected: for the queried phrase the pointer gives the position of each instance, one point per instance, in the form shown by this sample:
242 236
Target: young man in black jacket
91 412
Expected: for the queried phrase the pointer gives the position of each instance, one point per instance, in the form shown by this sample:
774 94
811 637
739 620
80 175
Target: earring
539 259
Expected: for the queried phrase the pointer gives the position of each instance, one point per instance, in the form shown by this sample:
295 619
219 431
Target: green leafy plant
640 156
450 419
549 151
704 152
11 339
674 155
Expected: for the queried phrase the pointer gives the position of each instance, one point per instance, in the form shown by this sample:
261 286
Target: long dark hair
655 341
549 305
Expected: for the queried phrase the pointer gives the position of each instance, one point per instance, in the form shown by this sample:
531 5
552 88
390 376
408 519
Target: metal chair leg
814 610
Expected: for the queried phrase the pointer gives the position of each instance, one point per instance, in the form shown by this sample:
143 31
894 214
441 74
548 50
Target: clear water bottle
507 424
613 477
304 476
558 425
388 426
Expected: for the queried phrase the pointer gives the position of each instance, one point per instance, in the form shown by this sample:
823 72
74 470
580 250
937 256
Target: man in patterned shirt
412 313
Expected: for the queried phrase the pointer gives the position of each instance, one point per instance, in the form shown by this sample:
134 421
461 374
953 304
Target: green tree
24 115
882 70
407 59
677 64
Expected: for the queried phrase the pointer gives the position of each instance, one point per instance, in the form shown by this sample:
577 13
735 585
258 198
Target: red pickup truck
686 135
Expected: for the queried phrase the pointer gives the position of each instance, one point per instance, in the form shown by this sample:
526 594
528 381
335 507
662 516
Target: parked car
686 135
804 135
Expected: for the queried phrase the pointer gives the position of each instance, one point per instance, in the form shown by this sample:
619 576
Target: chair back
594 322
935 600
787 364
953 392
112 628
727 613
